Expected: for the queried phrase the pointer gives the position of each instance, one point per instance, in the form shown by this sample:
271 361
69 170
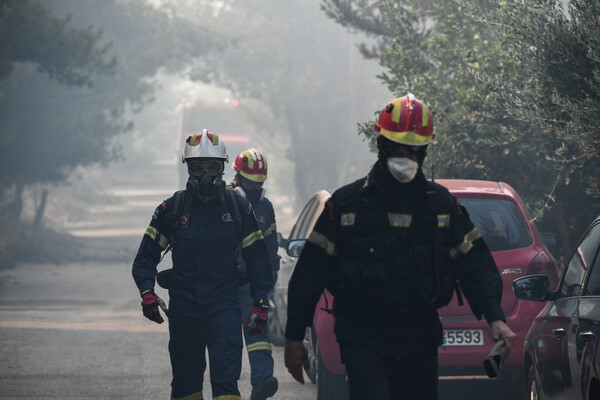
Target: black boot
264 389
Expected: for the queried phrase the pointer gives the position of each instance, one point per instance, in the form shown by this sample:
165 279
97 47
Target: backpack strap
234 209
233 205
172 218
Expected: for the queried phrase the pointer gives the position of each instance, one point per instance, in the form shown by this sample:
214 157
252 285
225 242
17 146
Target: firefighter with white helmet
390 247
205 226
205 156
251 173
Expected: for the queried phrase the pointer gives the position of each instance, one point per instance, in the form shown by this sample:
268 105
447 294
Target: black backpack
172 218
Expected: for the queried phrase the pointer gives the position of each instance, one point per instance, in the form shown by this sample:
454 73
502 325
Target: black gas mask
252 190
253 195
205 178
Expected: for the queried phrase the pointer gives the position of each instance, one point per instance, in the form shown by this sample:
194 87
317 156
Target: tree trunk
39 213
15 208
562 231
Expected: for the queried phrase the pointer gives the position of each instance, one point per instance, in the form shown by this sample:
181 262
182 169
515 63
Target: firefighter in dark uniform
389 248
251 173
204 309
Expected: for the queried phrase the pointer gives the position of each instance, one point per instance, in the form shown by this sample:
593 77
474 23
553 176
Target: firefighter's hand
296 358
501 331
257 320
150 304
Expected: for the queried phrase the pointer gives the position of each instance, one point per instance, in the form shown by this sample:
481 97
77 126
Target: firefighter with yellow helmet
389 247
251 173
205 225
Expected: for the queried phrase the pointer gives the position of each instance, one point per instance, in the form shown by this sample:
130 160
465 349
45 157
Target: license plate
463 337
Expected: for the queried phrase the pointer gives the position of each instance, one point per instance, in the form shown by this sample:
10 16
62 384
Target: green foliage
49 127
561 99
38 134
65 97
30 33
559 53
513 86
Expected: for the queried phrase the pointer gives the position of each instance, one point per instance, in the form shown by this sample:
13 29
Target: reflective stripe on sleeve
270 230
251 238
155 235
259 346
163 242
321 240
152 232
466 245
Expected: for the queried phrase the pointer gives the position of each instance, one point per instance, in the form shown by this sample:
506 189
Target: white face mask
403 169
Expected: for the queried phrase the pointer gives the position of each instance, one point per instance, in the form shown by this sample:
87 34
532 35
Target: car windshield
500 222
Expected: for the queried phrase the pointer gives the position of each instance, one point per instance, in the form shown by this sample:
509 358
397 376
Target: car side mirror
281 241
532 287
294 247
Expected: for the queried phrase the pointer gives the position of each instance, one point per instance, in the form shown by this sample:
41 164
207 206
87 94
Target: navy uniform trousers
259 347
373 375
189 339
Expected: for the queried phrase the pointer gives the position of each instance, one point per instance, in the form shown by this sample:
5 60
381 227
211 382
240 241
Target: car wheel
533 387
275 327
330 386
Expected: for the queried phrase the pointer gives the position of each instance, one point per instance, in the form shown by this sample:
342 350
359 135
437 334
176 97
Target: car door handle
559 332
587 335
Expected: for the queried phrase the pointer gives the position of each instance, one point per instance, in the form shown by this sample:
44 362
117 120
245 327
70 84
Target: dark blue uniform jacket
204 256
265 218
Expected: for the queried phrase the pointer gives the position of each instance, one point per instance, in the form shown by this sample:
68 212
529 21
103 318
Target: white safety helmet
204 145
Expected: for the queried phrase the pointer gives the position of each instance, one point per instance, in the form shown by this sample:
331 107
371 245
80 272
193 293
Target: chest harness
392 259
171 222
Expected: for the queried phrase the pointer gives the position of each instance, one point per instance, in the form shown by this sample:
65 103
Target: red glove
257 320
150 304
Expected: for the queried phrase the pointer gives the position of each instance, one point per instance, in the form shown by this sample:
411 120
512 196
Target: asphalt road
76 331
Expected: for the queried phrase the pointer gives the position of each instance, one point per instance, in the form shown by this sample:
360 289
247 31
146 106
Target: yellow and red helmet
251 165
406 120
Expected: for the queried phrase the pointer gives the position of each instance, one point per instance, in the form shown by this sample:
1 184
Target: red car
505 224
